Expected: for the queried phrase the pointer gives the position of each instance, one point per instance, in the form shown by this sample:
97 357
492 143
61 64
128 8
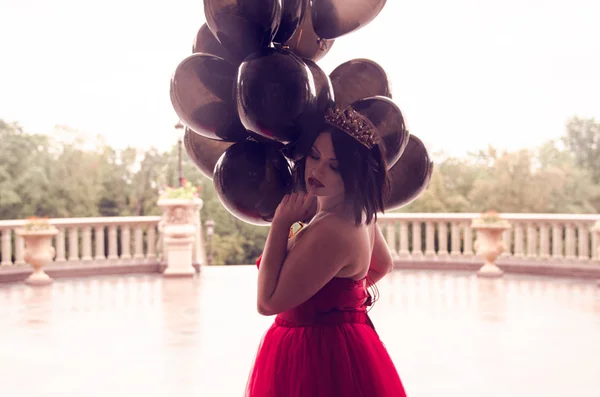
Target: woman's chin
317 191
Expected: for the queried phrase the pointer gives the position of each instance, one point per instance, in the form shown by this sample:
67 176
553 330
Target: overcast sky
466 73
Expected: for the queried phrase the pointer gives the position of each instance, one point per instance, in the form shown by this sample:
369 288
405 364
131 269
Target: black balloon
335 18
205 42
202 96
204 152
387 118
323 86
305 42
291 15
358 79
325 98
410 175
250 179
275 94
243 27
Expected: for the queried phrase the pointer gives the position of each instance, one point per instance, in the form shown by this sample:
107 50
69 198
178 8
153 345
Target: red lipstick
315 182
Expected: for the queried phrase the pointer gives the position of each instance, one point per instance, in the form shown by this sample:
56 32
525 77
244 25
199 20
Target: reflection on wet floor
450 334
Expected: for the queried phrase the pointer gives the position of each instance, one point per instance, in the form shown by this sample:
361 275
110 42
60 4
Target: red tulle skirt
344 358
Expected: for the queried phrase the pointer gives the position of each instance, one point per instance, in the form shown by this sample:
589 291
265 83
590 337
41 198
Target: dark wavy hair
363 171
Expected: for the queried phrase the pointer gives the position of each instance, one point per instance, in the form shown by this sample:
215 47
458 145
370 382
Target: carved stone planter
179 229
490 245
38 253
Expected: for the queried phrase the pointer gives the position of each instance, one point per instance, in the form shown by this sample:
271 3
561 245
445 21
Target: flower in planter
490 218
34 223
187 191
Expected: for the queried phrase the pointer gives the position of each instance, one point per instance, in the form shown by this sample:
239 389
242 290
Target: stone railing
552 239
558 242
123 240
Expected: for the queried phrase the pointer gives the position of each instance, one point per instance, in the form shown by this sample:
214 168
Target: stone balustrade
554 244
123 240
559 241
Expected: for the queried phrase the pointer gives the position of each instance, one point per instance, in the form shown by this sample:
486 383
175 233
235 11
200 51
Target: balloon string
322 44
299 37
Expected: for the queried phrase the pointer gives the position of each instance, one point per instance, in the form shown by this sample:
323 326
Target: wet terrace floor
450 334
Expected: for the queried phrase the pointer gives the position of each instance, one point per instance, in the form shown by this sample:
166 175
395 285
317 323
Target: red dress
325 347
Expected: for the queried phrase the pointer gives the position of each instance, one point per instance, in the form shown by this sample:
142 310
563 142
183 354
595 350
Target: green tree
24 168
583 140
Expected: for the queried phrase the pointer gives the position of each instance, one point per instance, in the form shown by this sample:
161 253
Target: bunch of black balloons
248 93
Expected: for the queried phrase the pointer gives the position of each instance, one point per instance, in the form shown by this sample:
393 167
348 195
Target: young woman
322 343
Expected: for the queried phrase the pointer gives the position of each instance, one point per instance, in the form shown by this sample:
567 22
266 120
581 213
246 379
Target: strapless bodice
339 300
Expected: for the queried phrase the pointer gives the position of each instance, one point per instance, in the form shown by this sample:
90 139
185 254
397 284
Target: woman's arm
381 259
293 207
316 258
272 260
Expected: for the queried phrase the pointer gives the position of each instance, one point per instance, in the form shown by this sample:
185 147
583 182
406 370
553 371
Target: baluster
531 241
390 230
468 249
139 243
429 239
544 241
404 253
60 245
112 243
570 242
19 250
557 241
125 242
73 244
455 239
6 248
99 242
417 244
506 241
583 237
443 239
87 244
151 237
519 240
595 246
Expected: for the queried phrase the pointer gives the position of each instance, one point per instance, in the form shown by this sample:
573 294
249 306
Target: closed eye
314 156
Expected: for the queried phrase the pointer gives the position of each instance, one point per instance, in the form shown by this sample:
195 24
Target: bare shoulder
330 237
337 228
342 241
320 255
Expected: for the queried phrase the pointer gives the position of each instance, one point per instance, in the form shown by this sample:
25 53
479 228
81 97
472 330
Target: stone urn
179 228
489 244
38 253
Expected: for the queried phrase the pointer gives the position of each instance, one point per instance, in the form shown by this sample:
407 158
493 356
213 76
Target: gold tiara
354 124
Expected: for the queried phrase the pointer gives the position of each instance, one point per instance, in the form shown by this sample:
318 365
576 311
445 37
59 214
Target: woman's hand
295 207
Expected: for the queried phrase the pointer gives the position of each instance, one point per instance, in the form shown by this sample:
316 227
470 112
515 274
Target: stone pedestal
489 245
38 253
179 235
179 242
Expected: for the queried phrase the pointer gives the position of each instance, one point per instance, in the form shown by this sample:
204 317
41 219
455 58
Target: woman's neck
334 204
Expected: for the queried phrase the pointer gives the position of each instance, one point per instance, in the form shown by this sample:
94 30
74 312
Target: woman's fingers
308 203
298 198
